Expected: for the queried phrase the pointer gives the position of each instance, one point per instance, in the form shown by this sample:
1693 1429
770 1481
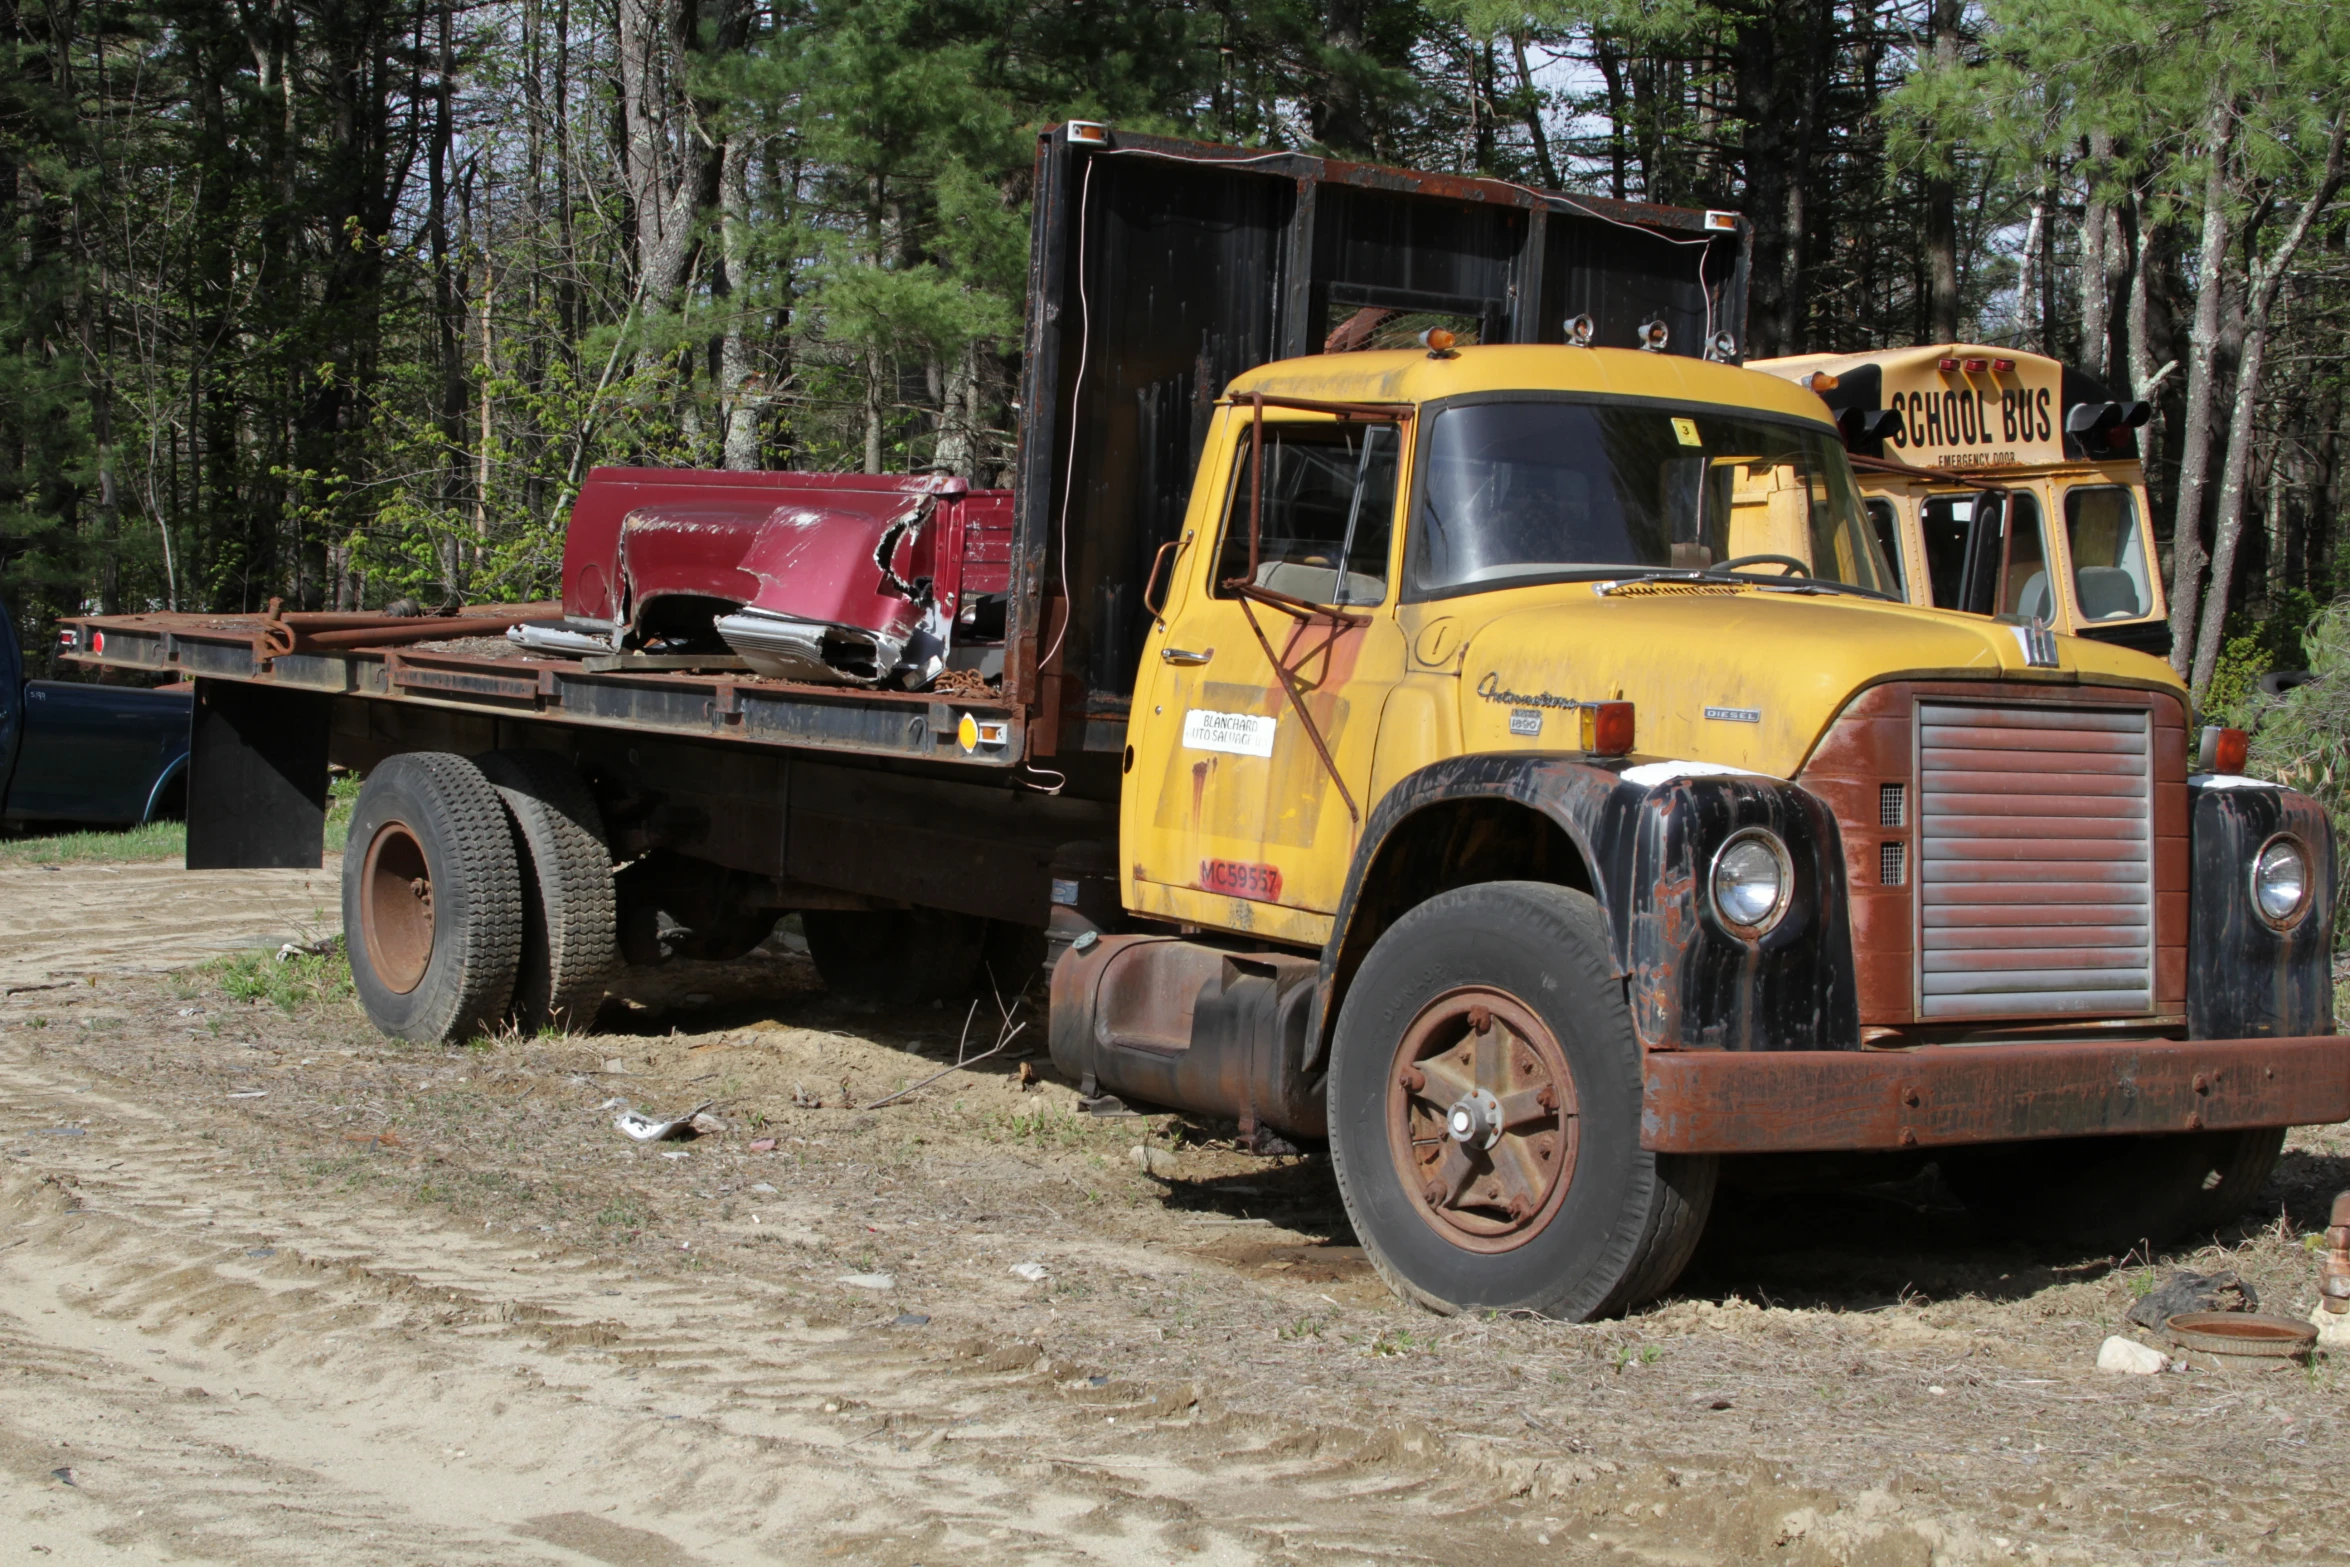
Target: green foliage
2303 737
288 983
148 841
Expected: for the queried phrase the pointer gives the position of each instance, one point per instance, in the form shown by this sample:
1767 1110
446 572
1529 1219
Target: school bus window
1947 521
2024 591
1887 528
2109 553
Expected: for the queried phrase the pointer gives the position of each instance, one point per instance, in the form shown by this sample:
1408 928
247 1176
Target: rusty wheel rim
396 907
1481 1119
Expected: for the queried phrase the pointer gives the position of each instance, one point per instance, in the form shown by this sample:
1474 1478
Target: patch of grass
1402 1341
1311 1325
1044 1127
621 1214
149 841
291 983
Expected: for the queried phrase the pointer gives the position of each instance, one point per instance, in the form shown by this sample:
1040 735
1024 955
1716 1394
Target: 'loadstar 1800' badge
1242 734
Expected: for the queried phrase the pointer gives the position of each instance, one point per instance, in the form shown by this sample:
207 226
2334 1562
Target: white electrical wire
1076 390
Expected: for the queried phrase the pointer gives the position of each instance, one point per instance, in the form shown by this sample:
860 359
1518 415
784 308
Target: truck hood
1739 677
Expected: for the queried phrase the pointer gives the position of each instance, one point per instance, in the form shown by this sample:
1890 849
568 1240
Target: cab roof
1413 376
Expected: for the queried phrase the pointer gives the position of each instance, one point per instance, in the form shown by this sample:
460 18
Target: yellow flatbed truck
1510 761
2002 483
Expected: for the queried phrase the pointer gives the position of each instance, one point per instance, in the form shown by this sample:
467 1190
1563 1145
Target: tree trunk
1535 131
736 376
1941 237
2187 553
2266 282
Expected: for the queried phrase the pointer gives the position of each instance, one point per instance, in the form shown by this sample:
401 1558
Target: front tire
432 900
1484 1101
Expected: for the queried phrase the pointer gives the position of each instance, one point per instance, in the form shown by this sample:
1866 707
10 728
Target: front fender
1645 835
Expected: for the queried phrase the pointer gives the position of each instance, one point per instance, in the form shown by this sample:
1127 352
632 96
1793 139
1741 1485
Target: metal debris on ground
870 1281
910 1319
2240 1341
2184 1292
645 1129
1153 1161
1032 1272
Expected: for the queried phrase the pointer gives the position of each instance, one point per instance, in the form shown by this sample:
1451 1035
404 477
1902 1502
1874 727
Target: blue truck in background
87 755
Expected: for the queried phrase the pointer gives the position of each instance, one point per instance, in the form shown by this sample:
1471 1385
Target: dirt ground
272 1288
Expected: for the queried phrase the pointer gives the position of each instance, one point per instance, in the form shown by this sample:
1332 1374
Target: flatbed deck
476 670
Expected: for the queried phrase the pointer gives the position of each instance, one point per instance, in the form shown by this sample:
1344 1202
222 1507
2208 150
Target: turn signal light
98 642
2230 751
1607 728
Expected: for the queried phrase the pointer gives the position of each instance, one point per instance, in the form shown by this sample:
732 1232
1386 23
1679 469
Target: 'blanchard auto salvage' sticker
1242 734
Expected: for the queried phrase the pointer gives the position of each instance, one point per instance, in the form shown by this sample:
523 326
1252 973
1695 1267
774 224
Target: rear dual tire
476 896
1498 1002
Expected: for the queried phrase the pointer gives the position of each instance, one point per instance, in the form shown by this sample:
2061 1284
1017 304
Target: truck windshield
1519 490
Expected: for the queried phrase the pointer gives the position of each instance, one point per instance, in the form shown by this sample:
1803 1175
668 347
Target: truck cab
1541 784
82 753
2000 483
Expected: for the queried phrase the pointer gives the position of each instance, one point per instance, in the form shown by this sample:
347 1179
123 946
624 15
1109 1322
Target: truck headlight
2280 880
1751 880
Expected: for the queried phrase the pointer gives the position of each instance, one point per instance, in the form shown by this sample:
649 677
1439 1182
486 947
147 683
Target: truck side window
2109 556
1883 524
2025 592
1329 492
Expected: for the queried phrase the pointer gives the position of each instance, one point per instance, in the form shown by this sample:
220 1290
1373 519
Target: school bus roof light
1654 335
1580 330
1820 381
1975 366
1945 365
1438 342
2003 366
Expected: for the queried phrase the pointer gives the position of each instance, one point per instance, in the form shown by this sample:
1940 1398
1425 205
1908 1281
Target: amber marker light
1820 381
2230 751
1438 342
1607 728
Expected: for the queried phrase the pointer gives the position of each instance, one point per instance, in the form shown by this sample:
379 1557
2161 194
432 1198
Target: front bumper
1788 1101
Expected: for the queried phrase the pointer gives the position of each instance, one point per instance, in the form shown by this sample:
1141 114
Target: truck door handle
1176 655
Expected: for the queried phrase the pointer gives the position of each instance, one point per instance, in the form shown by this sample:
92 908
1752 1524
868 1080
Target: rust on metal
396 908
1726 1101
1482 1119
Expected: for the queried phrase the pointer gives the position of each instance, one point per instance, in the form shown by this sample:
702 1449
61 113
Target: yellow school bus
2000 483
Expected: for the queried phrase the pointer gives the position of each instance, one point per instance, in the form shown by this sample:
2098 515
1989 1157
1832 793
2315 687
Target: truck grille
2035 867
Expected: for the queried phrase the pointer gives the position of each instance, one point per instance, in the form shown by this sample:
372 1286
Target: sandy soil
271 1289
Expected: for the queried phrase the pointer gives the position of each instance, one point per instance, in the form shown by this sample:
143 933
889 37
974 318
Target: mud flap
257 778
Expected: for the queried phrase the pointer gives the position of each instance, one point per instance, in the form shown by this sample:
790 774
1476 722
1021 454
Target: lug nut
1547 1096
1413 1079
1480 1020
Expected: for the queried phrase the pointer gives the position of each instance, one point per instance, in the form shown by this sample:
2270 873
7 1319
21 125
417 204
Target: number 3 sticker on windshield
1686 429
